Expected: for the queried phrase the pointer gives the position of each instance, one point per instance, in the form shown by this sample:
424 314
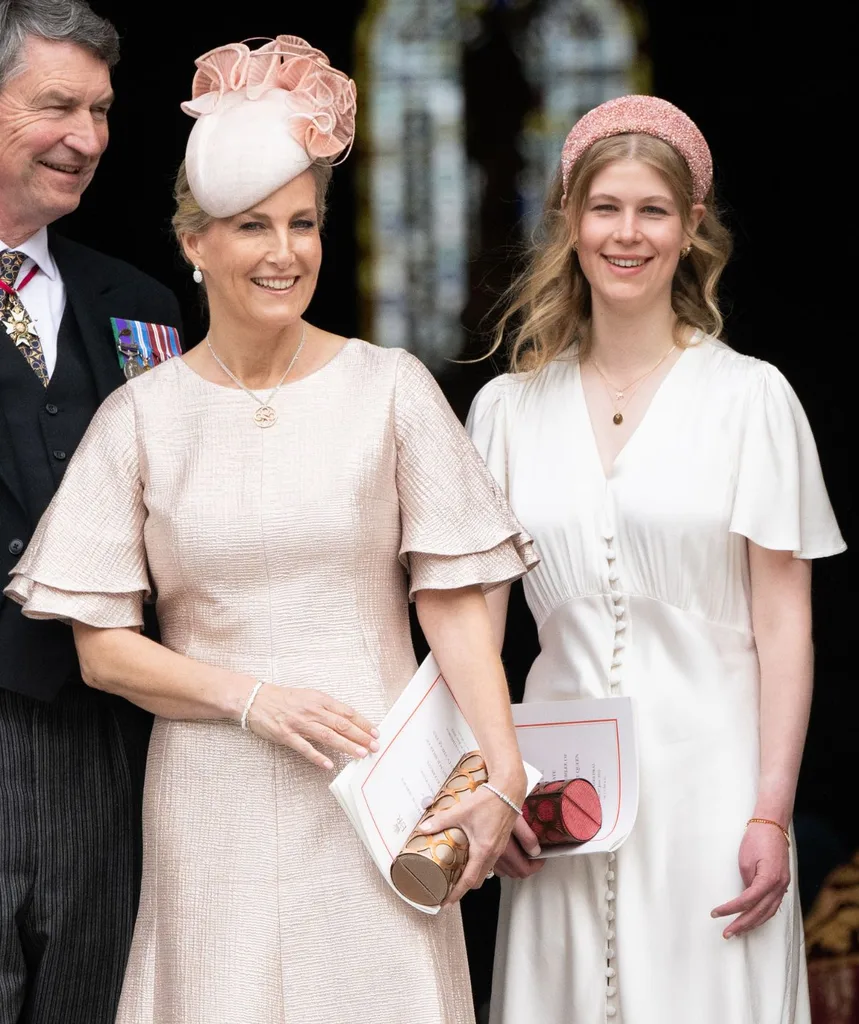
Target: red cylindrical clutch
568 811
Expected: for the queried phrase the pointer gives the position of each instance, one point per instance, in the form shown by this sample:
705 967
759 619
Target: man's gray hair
62 21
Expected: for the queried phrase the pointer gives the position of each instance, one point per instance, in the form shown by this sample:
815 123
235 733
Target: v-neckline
645 419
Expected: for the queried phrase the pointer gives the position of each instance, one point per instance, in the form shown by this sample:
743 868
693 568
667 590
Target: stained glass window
576 54
413 197
423 210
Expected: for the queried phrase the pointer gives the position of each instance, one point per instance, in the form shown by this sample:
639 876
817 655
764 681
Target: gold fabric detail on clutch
429 866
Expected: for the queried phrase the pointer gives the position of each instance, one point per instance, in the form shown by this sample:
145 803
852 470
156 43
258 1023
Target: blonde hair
547 309
189 219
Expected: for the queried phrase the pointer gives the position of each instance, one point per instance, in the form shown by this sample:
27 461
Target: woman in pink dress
283 491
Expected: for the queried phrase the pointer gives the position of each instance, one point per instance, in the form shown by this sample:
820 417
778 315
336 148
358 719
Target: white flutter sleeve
488 428
781 500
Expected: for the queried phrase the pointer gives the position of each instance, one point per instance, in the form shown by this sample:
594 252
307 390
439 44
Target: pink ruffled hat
263 117
642 115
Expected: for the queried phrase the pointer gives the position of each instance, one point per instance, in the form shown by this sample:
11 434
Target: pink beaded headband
642 115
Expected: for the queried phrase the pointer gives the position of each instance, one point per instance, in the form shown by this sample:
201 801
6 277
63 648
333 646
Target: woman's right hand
513 863
302 719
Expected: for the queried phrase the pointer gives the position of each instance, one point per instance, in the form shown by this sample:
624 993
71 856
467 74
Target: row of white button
619 606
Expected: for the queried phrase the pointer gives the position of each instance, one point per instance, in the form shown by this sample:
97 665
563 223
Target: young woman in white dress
673 490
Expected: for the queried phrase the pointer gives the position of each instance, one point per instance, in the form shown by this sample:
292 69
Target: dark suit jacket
37 658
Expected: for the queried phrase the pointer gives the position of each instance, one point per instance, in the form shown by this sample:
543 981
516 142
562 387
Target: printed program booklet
592 739
421 739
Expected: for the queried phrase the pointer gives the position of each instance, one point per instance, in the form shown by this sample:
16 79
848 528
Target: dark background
757 86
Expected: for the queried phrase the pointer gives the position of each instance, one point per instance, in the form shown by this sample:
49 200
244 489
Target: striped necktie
15 318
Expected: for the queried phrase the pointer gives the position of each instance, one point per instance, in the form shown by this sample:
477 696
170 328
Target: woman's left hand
765 870
487 821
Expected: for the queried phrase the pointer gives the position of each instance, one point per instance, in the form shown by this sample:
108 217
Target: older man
71 758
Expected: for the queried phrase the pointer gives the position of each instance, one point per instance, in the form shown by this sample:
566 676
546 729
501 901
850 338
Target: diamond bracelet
503 796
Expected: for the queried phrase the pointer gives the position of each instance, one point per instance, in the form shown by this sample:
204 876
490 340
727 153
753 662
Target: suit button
58 454
51 409
16 546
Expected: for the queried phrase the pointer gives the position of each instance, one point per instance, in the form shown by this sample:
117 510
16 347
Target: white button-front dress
643 590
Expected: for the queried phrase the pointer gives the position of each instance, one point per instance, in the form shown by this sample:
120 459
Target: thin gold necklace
625 394
265 415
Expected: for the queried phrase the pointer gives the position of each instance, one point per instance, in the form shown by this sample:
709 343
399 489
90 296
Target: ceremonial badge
140 346
20 327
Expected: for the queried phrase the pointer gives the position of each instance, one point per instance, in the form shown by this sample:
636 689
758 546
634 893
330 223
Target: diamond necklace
617 394
265 415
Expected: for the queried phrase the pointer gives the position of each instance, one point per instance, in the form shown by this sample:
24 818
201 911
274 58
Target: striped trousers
71 779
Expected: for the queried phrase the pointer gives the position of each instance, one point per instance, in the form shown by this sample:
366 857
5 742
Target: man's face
53 130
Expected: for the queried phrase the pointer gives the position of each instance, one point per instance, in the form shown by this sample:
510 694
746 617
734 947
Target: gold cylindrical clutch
429 866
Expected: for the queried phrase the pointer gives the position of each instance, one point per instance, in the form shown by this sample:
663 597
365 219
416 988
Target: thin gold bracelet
769 821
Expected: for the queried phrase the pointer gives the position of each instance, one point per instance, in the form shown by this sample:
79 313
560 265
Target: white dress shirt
44 297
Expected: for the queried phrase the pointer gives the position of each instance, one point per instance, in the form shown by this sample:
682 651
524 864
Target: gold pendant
265 416
617 419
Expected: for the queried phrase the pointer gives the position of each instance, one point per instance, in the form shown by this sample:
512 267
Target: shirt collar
36 248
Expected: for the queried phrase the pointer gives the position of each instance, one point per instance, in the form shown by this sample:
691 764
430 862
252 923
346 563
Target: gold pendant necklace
266 415
627 393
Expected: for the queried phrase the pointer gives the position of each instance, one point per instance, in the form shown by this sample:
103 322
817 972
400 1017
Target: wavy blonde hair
547 309
189 219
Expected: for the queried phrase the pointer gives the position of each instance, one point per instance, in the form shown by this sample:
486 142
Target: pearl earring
197 275
685 252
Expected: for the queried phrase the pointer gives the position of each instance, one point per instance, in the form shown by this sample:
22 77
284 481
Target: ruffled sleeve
86 561
781 501
457 528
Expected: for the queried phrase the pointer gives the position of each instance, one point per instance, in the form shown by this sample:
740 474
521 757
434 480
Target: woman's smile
627 266
275 284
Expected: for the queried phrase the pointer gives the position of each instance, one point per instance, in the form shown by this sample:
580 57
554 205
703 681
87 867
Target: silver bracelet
503 796
251 698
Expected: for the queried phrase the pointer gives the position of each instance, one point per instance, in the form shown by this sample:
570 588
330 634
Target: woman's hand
513 862
765 870
458 628
487 821
302 719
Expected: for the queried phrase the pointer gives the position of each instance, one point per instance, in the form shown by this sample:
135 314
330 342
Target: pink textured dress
281 553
